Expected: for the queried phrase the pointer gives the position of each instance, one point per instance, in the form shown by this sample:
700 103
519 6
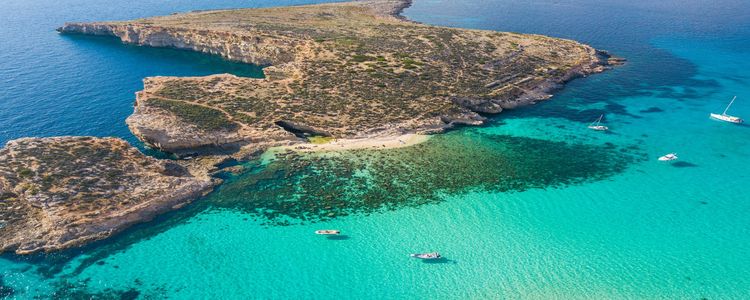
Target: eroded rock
61 192
348 70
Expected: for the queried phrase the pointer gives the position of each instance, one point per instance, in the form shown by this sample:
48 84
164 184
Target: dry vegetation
57 192
348 69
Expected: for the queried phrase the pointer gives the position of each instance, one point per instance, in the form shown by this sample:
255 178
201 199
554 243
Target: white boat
596 125
668 157
727 118
328 232
431 255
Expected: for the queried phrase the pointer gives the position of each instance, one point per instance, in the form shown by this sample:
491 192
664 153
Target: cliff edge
62 192
347 70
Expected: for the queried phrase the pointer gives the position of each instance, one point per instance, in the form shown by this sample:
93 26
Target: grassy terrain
321 139
205 118
61 189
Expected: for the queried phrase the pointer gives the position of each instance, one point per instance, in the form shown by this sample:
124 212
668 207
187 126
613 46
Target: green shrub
320 139
203 117
25 172
362 58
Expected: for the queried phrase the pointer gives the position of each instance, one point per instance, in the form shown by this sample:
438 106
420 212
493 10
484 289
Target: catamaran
727 118
596 125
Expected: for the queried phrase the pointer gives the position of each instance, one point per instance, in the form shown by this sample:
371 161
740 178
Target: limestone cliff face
62 192
163 130
246 47
349 70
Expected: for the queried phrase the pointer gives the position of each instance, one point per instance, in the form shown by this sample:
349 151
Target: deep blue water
649 230
52 84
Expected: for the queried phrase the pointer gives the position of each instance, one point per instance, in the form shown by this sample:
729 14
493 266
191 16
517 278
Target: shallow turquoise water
637 229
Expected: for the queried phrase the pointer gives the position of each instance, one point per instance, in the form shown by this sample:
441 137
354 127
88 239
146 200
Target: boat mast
730 104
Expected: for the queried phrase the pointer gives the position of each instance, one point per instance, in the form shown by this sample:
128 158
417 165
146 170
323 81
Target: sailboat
596 125
727 118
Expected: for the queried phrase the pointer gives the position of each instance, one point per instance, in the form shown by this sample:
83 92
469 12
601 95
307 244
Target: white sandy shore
384 142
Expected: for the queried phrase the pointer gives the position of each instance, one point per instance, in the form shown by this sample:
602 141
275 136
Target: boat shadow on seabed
441 260
683 164
339 237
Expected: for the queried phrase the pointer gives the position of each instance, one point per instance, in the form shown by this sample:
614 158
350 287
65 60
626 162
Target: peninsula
346 70
351 71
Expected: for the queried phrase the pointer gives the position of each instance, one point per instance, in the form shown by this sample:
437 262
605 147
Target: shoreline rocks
62 192
347 70
344 70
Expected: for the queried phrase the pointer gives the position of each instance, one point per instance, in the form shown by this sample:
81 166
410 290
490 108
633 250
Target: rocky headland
344 71
347 70
61 192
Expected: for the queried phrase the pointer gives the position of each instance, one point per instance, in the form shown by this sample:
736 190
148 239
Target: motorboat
668 157
727 118
596 125
431 255
328 232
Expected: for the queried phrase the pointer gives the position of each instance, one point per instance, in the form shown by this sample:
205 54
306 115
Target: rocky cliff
347 70
61 192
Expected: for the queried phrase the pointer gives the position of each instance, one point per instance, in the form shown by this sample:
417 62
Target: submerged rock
62 192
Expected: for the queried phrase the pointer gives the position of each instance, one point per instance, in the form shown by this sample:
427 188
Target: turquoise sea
532 205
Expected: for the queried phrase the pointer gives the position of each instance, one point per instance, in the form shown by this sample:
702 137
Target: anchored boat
328 232
596 125
727 118
668 157
431 255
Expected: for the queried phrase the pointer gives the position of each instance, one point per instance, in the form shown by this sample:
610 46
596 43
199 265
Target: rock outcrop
62 192
348 70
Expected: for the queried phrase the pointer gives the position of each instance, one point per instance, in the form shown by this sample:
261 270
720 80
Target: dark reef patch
65 289
652 109
298 188
5 291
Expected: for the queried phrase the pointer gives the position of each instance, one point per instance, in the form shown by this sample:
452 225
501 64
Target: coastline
176 115
379 143
508 84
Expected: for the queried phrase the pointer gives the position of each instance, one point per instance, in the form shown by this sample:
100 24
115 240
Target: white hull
433 255
597 125
726 118
668 157
327 232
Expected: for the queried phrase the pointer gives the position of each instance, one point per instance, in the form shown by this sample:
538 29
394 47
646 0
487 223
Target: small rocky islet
344 70
62 192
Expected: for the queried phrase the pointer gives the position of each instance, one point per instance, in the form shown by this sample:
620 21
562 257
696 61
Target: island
353 71
349 70
61 192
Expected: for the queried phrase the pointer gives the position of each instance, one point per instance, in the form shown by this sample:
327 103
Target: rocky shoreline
63 192
351 71
453 81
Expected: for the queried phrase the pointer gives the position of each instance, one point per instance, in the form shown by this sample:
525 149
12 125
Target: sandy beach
385 142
